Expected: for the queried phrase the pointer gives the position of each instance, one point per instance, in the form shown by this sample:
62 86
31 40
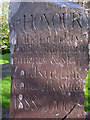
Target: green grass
6 86
3 61
5 58
87 93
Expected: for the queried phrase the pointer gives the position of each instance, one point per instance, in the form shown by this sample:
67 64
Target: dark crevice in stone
69 112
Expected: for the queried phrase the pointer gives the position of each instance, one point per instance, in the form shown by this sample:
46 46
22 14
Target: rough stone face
13 8
49 57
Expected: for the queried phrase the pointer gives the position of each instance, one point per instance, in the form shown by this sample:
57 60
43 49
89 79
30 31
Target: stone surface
88 115
49 47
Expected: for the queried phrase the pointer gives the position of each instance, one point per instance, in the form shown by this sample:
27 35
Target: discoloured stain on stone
13 8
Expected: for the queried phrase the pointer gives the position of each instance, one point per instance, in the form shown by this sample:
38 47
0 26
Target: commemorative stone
49 59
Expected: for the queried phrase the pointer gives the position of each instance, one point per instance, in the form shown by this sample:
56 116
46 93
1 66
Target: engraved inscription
49 61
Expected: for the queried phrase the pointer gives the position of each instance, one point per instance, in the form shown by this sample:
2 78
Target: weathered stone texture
49 47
